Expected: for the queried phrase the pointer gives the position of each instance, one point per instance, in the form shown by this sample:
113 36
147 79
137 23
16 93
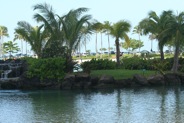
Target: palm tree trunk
175 64
96 46
139 43
2 53
109 47
161 54
26 48
85 43
101 47
117 51
22 46
1 46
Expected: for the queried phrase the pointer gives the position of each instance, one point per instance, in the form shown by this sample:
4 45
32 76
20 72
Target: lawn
121 73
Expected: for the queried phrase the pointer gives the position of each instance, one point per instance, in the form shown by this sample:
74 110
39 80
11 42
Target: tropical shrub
98 64
54 50
136 63
51 68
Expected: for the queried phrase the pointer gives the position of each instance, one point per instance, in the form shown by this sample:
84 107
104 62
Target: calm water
144 105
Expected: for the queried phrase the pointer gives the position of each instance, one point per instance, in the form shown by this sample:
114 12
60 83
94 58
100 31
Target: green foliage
51 68
54 50
121 73
98 64
132 45
136 63
10 47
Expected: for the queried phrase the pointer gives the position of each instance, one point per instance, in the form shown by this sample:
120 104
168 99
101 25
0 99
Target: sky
133 11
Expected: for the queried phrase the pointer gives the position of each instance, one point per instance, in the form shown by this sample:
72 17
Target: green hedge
136 63
98 64
50 68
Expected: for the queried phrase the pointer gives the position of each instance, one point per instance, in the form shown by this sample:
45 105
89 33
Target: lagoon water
141 105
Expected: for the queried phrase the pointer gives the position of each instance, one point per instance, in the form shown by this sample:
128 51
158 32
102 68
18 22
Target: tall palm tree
52 23
152 37
107 26
97 27
138 30
3 32
155 25
19 37
72 25
10 47
33 35
86 31
175 28
119 31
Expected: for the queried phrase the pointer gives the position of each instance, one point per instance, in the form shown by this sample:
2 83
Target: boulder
123 83
106 79
172 79
156 80
10 83
82 77
181 76
94 80
140 80
68 81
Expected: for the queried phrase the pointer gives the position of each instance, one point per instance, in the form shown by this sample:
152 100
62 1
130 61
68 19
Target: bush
51 68
136 63
98 64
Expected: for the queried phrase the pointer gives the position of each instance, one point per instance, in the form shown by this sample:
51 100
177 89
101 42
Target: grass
121 73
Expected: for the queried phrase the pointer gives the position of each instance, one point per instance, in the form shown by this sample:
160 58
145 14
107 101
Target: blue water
142 105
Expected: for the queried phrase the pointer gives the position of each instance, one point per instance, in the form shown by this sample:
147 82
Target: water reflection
141 105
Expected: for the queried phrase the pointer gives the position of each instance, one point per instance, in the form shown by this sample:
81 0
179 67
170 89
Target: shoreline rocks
85 81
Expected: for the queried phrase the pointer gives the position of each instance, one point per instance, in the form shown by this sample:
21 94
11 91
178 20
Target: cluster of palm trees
166 28
118 30
57 35
67 31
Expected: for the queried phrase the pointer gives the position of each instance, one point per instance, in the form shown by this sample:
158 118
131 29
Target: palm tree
73 24
138 30
19 37
10 47
97 27
3 32
107 26
175 28
86 31
33 35
155 25
119 31
152 37
52 23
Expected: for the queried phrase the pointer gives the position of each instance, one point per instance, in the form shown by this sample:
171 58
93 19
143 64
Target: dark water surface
143 105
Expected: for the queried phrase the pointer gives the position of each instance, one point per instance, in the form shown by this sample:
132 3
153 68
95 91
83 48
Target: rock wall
85 81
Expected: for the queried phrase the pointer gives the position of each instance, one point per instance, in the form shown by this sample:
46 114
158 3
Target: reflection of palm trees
177 105
162 105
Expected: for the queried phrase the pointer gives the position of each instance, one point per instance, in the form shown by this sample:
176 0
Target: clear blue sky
133 11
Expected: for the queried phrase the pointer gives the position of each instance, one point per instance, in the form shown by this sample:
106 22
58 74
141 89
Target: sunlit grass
121 73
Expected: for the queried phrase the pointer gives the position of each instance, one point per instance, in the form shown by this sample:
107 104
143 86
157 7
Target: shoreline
84 81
